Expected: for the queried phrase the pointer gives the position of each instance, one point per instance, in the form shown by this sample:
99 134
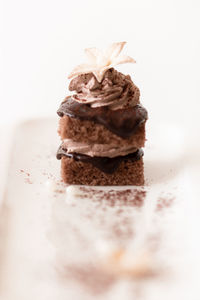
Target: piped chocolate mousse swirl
105 164
116 90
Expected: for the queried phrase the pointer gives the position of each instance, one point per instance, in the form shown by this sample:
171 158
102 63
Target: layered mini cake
102 125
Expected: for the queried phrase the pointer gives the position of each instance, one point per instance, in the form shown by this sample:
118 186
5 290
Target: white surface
45 227
6 134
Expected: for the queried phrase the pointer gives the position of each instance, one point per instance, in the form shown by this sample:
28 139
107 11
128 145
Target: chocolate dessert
102 125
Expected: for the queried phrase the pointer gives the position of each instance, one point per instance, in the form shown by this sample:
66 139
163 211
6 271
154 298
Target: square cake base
81 173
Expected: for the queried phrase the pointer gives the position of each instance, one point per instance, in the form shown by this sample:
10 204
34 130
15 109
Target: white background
42 40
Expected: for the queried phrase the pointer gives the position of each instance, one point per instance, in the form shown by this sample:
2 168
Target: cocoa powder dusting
129 197
164 202
27 178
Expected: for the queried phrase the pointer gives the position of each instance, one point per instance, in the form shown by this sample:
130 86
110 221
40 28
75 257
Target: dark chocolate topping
105 164
122 122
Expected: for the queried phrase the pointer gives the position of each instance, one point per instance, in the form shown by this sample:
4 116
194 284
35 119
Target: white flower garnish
100 61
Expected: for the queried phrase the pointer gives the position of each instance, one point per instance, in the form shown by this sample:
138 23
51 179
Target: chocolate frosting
122 122
105 164
95 149
116 90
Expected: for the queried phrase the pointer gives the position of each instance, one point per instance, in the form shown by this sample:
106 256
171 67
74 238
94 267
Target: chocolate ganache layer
123 122
105 164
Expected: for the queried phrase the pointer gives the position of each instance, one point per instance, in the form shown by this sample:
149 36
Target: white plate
59 244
